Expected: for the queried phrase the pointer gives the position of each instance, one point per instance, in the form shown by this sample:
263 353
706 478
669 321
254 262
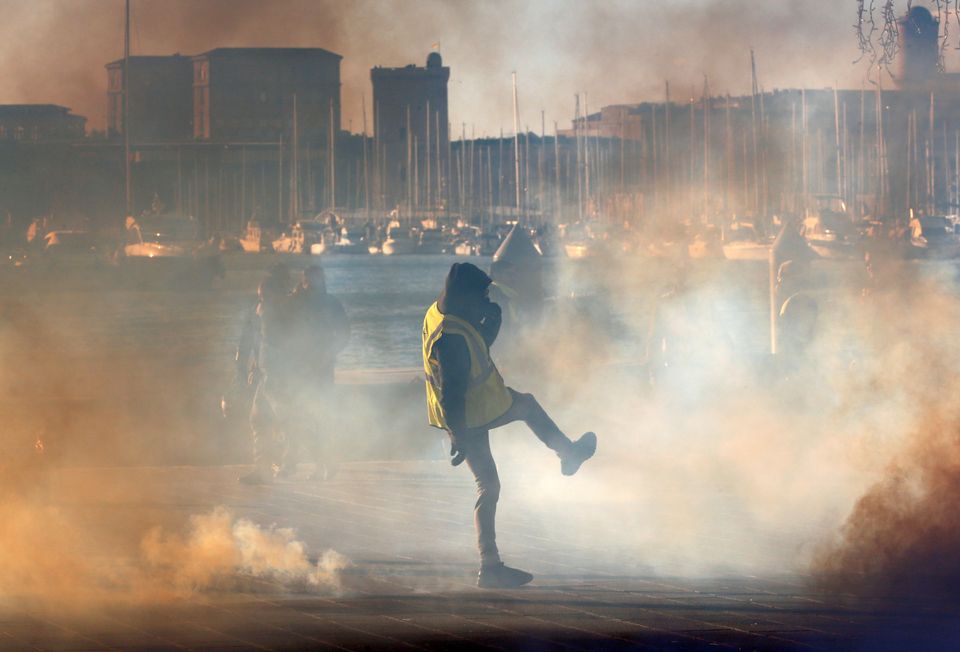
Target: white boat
466 248
352 241
741 242
585 240
165 250
398 243
578 249
934 237
828 229
301 238
256 239
828 239
161 237
746 251
431 242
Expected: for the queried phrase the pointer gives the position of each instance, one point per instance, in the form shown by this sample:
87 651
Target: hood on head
465 281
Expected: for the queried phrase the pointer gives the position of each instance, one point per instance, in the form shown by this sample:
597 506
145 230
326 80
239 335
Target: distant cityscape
238 133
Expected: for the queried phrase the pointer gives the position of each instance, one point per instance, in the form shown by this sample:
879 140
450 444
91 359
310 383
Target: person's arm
453 358
490 324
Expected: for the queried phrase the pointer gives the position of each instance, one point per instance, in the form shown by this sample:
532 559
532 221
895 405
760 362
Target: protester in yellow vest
466 396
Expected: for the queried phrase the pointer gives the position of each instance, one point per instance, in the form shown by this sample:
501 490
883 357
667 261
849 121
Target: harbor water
126 365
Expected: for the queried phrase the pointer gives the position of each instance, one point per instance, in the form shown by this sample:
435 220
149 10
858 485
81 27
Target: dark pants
269 417
312 428
479 458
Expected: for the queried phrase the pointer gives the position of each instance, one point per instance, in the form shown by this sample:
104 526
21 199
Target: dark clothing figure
247 356
273 404
320 330
266 339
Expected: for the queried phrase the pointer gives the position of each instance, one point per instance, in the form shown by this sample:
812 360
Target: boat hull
352 248
393 247
254 246
746 251
831 248
578 250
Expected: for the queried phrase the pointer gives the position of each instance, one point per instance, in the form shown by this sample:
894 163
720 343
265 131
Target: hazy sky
53 51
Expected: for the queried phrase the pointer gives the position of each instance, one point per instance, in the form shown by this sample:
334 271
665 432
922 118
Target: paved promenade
407 533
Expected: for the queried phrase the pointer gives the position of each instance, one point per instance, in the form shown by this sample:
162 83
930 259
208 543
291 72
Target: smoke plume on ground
713 458
219 547
80 525
840 458
903 532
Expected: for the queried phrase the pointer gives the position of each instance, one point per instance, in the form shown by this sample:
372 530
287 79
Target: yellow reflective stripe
434 336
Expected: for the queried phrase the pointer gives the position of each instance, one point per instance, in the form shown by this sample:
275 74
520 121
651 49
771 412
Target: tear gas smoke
557 48
719 466
73 537
219 547
49 559
722 467
903 532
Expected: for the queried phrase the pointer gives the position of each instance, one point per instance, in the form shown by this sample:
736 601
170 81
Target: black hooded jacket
464 296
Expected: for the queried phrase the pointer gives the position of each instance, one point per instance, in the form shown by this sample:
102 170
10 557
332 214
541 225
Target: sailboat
161 248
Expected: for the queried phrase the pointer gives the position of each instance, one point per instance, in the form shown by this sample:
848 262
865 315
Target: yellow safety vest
487 396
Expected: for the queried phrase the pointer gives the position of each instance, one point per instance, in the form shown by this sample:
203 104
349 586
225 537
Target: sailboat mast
279 179
409 170
556 172
295 167
333 159
429 163
516 143
577 129
440 177
366 170
128 195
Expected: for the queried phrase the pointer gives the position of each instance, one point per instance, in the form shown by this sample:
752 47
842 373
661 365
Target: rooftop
276 52
149 58
33 108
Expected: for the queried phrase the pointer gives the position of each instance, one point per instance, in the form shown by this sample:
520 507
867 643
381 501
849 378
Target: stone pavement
406 529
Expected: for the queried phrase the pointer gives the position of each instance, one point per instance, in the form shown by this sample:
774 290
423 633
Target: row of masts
711 162
703 158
